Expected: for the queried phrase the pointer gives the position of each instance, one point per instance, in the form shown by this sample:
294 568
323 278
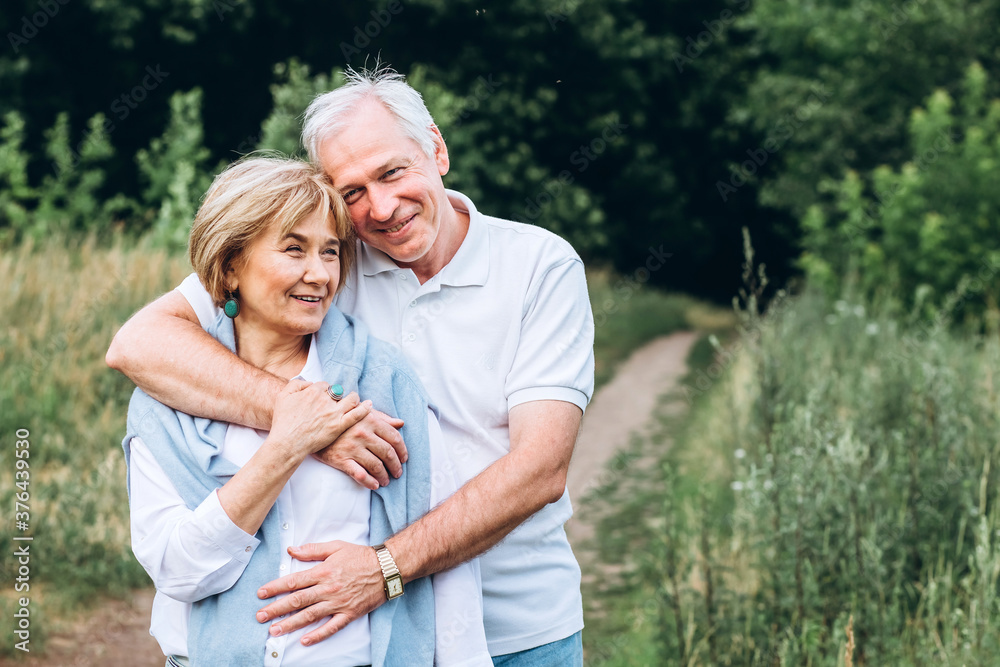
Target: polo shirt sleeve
200 300
554 359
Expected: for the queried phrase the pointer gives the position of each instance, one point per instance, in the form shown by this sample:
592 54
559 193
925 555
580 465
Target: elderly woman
215 506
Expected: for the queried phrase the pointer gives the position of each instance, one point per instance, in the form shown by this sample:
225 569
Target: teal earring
232 306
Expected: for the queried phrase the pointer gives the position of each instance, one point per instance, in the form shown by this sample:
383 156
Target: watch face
395 587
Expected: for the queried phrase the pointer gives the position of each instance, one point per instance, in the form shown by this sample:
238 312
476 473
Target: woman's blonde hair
243 202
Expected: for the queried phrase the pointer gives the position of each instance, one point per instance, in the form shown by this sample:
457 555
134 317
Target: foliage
292 93
872 62
575 115
929 230
68 197
15 192
836 463
175 172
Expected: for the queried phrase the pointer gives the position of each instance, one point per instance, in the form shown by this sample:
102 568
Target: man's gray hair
328 114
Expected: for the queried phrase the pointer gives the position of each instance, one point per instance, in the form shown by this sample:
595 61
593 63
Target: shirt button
413 304
284 526
402 276
282 568
274 654
411 337
248 549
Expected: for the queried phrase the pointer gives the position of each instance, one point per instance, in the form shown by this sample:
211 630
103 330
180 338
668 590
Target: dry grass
62 301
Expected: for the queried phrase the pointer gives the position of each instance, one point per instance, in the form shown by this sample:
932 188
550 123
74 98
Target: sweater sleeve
189 554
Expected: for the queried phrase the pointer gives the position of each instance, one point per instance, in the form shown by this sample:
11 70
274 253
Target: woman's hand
306 419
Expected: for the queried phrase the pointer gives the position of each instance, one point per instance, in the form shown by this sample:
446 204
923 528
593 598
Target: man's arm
166 353
348 584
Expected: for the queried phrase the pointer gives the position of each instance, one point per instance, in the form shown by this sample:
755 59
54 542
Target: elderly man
493 315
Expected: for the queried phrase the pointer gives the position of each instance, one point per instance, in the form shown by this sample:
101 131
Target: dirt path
113 634
622 407
116 633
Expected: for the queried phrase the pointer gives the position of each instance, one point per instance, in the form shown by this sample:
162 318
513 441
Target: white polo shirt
506 322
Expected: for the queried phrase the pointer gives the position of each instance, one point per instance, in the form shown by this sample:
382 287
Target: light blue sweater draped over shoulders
223 629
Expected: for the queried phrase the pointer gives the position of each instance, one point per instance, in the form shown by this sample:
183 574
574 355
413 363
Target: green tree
930 229
68 197
175 170
868 64
15 192
292 92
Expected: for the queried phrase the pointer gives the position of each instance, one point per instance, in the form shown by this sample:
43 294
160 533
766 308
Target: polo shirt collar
469 266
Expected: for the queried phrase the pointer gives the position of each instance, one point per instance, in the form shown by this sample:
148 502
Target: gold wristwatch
393 584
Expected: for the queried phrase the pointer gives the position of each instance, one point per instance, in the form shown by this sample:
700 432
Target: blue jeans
563 653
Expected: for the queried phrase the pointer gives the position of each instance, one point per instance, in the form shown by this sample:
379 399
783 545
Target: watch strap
389 570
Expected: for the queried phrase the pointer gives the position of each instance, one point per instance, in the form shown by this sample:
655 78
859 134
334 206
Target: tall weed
844 466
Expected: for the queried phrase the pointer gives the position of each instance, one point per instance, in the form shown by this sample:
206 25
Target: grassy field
62 303
838 468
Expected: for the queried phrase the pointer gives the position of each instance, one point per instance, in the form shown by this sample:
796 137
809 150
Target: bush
175 170
842 466
928 230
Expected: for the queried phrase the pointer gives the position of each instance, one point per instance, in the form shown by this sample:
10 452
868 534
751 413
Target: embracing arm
348 584
167 354
192 554
499 499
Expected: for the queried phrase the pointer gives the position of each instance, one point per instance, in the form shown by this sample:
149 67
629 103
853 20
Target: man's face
392 188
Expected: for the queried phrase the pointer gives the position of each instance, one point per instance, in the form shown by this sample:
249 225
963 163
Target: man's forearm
172 359
470 522
495 502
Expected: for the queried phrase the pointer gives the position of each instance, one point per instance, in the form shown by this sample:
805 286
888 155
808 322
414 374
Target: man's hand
369 451
346 585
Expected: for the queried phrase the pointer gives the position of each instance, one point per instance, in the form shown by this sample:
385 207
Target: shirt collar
469 266
313 370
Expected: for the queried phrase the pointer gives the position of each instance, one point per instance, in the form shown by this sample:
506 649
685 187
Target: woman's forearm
253 490
190 554
167 354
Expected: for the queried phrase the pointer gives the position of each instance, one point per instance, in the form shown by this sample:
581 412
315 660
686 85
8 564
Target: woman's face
287 282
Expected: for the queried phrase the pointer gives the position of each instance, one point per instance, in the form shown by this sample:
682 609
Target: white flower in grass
768 485
871 328
740 453
859 311
831 319
736 486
